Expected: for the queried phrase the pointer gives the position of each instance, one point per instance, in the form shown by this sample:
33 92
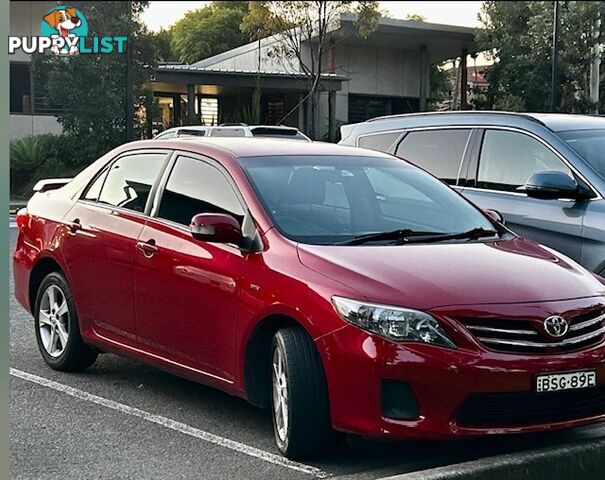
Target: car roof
555 121
241 147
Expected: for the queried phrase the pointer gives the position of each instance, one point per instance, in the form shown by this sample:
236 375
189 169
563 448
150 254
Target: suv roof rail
463 112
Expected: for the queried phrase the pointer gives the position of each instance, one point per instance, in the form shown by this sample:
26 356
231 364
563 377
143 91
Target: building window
20 88
273 110
364 107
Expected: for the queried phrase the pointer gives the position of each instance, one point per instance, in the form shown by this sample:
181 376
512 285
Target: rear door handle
149 248
74 225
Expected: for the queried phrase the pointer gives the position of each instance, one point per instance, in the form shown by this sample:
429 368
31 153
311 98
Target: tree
162 44
209 30
91 88
308 30
518 36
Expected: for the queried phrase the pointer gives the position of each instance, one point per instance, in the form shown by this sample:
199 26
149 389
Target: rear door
506 159
106 223
441 152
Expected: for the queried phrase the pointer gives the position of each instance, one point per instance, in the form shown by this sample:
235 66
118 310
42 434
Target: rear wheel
57 329
301 417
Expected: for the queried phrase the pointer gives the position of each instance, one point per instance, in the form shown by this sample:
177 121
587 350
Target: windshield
590 144
326 200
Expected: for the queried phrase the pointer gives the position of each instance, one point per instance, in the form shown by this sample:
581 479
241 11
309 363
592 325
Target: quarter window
130 179
196 187
379 141
439 152
94 189
508 159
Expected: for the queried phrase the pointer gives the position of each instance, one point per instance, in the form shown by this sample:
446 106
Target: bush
40 156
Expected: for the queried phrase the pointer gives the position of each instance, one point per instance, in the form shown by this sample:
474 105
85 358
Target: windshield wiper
473 234
385 236
415 236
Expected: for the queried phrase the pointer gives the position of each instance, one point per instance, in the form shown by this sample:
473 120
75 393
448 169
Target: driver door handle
149 248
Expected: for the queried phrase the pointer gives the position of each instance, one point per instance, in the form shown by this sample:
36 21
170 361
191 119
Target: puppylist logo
64 31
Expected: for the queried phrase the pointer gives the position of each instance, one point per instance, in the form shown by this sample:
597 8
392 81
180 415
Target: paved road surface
123 419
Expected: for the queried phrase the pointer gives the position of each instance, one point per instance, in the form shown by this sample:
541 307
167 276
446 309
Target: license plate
555 382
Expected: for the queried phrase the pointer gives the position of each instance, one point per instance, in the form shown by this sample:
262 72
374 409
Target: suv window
196 187
439 152
130 179
508 159
379 141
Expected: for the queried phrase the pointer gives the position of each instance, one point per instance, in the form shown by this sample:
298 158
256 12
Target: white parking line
172 424
12 224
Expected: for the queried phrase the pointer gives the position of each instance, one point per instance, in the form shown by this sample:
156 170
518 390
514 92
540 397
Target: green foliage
519 34
38 157
162 44
209 30
91 88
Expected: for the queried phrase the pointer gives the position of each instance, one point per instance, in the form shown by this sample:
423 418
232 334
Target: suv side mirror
495 215
551 185
216 227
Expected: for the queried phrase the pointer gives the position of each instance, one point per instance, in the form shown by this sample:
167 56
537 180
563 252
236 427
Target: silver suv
545 173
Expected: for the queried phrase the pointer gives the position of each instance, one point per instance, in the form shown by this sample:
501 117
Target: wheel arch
257 357
40 270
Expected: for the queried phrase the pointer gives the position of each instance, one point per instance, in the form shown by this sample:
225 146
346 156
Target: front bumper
356 364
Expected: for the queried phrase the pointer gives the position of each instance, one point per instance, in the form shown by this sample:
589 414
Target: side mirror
495 215
550 185
216 227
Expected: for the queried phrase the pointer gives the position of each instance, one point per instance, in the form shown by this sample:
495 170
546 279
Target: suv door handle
149 248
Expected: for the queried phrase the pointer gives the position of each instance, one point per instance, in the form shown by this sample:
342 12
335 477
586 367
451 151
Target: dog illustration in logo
63 21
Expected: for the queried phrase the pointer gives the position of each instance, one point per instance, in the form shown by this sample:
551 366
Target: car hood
433 275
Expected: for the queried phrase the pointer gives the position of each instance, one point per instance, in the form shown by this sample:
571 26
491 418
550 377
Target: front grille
529 336
493 410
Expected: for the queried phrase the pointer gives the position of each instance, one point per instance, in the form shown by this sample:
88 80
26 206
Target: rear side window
129 181
196 187
508 159
379 141
439 152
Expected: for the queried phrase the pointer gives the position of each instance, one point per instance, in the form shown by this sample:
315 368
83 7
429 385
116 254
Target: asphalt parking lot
123 419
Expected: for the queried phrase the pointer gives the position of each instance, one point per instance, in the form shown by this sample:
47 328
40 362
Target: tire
57 329
307 429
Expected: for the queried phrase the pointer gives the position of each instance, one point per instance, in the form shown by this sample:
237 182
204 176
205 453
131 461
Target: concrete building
30 112
387 73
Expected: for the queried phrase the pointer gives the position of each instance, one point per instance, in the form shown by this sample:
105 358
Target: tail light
22 218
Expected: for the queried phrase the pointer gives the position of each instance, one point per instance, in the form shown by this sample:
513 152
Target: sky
162 14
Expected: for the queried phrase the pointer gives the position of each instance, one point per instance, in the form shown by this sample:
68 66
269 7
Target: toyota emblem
556 326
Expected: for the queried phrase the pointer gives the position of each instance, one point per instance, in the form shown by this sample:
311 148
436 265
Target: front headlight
395 323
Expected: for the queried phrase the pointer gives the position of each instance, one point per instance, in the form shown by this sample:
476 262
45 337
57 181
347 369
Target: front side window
508 159
439 152
130 179
195 186
323 200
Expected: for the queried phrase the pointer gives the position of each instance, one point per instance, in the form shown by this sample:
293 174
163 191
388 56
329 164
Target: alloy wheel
53 321
280 394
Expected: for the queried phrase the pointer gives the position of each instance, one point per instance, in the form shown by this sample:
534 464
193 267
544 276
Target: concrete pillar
463 80
424 77
191 104
332 116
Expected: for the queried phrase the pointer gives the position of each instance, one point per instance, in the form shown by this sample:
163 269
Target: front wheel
57 329
301 416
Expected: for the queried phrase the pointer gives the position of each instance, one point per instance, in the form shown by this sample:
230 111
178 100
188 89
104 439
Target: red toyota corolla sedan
343 288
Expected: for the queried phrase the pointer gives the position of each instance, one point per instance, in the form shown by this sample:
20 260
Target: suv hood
432 275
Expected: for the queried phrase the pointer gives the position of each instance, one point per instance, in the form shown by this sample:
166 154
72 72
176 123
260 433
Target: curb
580 461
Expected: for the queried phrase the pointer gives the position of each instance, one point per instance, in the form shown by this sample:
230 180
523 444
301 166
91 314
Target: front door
507 160
186 290
106 224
